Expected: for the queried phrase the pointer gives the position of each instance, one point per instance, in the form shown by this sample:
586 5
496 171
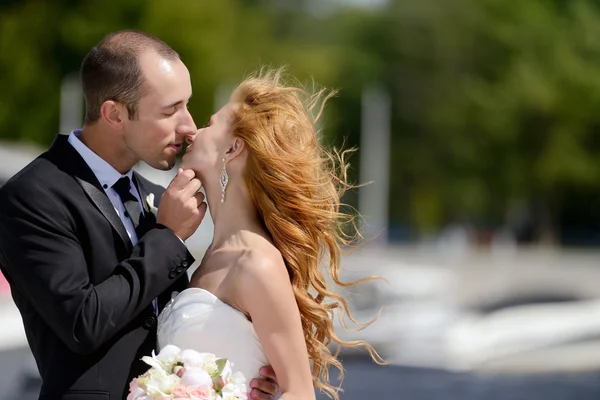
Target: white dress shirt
108 176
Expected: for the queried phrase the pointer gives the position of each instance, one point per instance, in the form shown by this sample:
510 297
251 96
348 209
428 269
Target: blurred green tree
494 102
495 105
220 42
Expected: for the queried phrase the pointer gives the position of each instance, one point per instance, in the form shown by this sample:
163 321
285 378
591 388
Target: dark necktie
134 212
132 206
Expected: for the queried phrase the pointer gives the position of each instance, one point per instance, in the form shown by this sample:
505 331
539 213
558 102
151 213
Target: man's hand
265 388
182 207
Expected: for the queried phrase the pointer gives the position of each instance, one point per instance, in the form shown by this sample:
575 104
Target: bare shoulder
262 265
261 276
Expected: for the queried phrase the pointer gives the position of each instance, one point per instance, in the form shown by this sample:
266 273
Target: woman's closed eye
209 123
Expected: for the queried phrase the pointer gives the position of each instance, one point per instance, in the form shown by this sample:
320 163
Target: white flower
233 392
154 387
168 355
202 376
238 379
137 394
168 384
196 377
150 202
160 383
153 362
206 361
236 388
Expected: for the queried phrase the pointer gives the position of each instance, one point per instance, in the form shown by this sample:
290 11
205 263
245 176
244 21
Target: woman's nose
190 137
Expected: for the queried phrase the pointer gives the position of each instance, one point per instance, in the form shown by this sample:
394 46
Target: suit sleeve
45 260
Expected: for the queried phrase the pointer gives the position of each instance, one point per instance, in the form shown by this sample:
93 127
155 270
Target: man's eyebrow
176 103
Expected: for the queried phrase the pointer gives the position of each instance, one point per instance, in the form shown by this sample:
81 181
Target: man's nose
187 126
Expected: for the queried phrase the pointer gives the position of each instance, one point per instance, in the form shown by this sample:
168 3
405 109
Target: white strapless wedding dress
196 319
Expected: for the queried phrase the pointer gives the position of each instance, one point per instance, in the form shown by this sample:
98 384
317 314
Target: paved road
365 380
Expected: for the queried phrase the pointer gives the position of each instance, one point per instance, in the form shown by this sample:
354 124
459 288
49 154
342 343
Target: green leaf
220 366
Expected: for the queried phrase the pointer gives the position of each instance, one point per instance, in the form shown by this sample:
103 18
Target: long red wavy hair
296 185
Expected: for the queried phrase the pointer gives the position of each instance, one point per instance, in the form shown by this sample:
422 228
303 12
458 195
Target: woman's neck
236 214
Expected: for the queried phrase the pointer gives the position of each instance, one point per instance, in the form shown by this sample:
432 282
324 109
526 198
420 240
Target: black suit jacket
84 292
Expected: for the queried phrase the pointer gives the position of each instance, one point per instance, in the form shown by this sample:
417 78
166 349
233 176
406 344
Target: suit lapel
101 201
69 160
149 220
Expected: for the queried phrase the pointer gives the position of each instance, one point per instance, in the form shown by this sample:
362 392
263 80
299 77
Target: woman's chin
185 162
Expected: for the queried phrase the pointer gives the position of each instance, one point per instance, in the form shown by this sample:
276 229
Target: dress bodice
196 319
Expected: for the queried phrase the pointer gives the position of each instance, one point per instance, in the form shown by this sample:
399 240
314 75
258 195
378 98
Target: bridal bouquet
177 374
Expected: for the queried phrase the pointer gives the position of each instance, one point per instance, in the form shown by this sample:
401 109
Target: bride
259 297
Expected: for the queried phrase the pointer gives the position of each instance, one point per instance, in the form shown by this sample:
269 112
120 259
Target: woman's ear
237 148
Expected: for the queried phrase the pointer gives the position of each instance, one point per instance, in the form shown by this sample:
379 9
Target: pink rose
179 391
136 394
201 392
133 385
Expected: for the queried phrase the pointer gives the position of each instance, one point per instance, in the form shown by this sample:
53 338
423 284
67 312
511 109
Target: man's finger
182 179
202 210
263 389
199 199
191 188
268 372
258 395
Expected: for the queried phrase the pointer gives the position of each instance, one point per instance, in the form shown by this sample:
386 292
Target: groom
89 263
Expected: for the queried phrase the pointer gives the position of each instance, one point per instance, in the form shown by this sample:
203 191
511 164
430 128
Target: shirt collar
106 174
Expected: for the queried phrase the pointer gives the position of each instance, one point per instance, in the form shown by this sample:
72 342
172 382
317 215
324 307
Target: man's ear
236 149
113 114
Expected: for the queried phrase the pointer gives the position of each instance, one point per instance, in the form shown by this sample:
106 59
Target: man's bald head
111 70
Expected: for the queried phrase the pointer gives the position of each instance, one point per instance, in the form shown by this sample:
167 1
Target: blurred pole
71 104
373 201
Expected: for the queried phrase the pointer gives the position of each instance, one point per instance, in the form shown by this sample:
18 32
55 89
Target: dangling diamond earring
223 180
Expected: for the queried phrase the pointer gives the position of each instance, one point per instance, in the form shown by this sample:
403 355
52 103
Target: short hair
111 71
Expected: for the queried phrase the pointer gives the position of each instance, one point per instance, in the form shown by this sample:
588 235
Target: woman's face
210 144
